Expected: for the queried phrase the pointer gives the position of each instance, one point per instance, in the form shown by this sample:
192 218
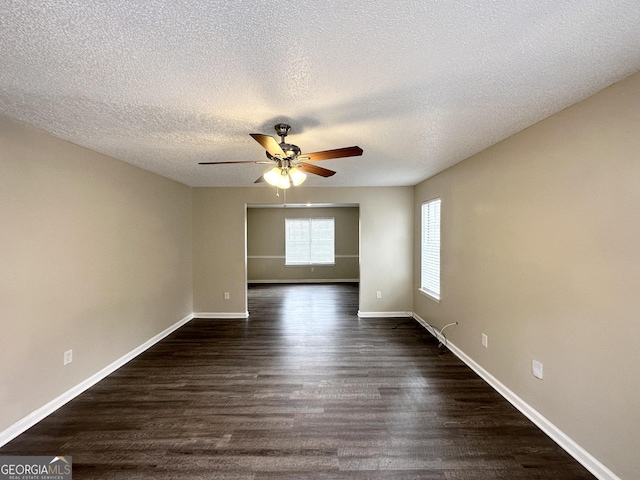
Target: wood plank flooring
303 389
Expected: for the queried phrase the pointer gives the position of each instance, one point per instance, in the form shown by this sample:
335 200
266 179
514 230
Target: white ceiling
419 85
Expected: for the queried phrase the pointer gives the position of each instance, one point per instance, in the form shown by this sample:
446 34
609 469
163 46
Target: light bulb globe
283 182
297 176
272 176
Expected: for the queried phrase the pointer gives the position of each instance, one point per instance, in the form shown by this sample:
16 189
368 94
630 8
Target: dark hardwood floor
303 389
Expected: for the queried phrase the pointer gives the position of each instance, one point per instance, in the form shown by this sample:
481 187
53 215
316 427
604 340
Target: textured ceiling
419 85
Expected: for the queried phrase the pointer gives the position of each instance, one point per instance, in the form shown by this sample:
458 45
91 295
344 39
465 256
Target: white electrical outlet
378 294
485 341
226 295
68 357
536 367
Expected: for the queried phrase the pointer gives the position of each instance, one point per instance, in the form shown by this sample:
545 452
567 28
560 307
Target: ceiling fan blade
260 179
269 144
316 170
329 154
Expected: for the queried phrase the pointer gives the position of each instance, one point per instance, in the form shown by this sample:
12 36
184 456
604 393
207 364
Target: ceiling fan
291 165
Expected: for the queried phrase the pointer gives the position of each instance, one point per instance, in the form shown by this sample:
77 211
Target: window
430 253
309 241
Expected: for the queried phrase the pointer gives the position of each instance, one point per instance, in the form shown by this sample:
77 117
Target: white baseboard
308 280
34 417
570 446
221 315
362 314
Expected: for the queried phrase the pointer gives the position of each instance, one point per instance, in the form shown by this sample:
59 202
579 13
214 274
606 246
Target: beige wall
541 252
266 245
95 256
386 240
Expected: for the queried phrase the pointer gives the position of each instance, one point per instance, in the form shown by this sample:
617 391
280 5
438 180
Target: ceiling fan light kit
283 177
291 165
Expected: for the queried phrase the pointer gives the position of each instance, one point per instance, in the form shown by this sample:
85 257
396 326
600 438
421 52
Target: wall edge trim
562 439
362 314
220 315
309 280
47 409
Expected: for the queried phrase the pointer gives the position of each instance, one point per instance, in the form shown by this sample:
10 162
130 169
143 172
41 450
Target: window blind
430 253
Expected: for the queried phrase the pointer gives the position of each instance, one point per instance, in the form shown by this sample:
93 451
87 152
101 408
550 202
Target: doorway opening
289 244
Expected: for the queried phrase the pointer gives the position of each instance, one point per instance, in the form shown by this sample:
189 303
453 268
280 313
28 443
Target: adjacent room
332 240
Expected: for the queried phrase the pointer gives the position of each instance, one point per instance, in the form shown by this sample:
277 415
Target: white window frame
430 248
309 259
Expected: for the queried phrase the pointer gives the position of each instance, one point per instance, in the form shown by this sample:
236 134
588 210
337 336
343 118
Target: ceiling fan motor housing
290 150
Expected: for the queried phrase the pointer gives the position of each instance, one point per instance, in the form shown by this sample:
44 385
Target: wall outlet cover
537 369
